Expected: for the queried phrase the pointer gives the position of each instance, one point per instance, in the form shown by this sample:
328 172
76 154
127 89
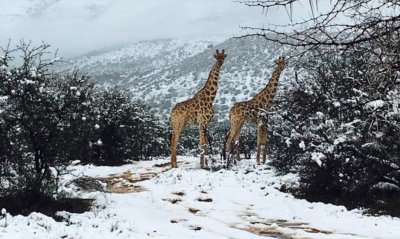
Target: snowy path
149 200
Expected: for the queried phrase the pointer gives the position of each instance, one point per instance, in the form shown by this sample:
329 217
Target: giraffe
197 110
252 111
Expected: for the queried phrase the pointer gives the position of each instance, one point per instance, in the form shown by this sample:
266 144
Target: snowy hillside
164 72
149 200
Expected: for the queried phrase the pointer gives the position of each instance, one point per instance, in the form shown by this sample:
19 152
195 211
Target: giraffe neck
264 99
211 86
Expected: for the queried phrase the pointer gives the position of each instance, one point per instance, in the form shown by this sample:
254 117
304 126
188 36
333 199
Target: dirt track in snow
128 182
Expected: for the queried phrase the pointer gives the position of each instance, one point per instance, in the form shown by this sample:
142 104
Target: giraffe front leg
226 159
204 151
265 148
261 142
258 152
264 154
174 142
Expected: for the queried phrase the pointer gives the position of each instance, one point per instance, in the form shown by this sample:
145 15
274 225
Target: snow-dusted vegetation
315 129
50 119
333 128
338 127
85 141
179 70
191 203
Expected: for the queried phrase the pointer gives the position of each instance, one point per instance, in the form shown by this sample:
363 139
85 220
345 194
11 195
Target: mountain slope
164 72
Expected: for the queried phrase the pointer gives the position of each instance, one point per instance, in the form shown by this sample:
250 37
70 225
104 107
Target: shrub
125 129
38 109
338 126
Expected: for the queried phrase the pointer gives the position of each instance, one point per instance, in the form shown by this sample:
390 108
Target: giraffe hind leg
228 148
233 140
237 142
177 128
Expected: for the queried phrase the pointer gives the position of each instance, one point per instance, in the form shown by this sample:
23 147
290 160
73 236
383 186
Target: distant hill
164 72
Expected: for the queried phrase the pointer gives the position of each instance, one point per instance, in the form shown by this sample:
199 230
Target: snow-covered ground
192 203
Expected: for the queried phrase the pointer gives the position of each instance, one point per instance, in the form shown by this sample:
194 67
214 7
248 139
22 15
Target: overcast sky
79 26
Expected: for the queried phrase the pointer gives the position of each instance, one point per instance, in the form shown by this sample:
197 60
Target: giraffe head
220 56
281 62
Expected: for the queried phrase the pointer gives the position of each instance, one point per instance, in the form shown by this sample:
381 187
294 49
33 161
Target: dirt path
129 182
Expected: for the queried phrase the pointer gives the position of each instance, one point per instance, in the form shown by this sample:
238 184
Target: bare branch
362 18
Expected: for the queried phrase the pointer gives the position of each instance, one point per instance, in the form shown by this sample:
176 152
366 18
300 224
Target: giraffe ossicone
197 110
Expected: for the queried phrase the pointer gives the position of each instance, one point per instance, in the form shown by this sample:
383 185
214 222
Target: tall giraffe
251 111
197 110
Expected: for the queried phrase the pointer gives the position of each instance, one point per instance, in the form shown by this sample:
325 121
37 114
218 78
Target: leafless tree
346 23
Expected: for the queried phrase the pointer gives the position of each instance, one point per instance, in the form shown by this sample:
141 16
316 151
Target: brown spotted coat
197 110
249 111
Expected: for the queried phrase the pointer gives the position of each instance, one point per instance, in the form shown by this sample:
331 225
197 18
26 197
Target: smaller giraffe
197 110
251 110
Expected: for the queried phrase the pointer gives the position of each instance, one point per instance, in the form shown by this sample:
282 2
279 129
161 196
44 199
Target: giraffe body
197 110
251 111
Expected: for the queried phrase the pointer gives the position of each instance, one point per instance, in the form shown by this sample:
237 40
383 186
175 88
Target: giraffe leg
233 138
259 129
237 149
237 142
203 145
265 140
228 142
261 142
177 128
258 149
226 148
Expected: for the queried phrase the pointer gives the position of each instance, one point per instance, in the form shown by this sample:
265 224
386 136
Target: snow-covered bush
338 126
38 110
124 129
48 119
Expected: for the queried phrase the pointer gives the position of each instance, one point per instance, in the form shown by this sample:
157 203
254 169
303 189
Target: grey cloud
78 26
39 7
